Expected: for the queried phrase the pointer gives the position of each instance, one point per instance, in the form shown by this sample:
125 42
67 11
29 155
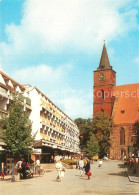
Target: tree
16 133
85 127
102 126
92 146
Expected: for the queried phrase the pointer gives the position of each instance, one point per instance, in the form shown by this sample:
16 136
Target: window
102 110
102 95
122 136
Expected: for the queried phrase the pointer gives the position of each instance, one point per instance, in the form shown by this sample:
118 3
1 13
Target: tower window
102 95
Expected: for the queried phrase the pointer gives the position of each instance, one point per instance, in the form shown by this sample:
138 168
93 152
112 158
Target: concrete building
8 87
56 133
120 102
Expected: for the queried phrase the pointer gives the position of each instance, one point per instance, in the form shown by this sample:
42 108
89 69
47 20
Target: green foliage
92 146
15 131
85 127
102 126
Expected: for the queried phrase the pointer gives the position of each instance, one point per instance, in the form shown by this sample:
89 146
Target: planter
74 166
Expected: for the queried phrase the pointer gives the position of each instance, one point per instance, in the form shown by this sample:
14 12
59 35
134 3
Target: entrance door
123 152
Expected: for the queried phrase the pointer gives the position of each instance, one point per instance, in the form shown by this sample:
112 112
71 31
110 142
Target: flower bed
70 162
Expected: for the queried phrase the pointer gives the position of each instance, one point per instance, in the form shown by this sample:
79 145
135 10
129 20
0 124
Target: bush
69 162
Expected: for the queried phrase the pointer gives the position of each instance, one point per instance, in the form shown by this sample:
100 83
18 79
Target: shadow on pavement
122 173
121 165
8 179
55 180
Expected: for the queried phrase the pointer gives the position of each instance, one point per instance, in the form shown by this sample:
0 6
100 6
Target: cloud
61 27
58 25
136 60
54 83
78 106
43 76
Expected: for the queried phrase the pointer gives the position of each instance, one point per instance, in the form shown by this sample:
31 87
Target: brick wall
115 150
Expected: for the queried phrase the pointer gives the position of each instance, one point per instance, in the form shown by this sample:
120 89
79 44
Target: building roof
104 61
126 105
15 83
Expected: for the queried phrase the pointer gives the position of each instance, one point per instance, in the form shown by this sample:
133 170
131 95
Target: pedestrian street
109 179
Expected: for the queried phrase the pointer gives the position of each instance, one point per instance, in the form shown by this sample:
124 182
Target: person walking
24 164
59 169
100 163
87 169
81 166
2 166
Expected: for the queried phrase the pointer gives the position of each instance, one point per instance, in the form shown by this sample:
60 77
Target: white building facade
8 87
56 133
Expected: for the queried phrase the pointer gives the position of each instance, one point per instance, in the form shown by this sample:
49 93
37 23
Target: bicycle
40 170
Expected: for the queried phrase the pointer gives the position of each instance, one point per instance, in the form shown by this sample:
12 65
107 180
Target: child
2 175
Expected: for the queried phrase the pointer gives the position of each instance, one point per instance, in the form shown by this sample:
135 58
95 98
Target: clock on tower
101 77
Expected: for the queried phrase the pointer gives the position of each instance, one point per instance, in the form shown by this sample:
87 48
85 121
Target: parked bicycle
40 170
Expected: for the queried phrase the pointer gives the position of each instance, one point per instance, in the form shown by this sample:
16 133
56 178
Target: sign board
37 150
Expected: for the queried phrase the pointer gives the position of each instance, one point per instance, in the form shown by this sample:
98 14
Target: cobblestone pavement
110 179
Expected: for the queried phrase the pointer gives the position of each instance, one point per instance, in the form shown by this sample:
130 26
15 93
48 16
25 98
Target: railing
28 101
22 98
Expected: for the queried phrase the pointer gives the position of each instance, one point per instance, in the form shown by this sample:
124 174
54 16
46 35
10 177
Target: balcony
28 101
3 92
21 97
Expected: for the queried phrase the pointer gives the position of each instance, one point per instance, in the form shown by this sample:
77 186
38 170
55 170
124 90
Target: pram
29 173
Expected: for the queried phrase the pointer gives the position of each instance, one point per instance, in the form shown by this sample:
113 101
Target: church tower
104 81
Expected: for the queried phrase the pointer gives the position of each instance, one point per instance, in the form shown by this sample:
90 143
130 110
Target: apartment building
7 87
56 133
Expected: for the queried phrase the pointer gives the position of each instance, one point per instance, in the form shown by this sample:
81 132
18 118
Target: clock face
101 77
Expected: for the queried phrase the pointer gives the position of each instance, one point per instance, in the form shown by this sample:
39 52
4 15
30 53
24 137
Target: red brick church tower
121 102
104 81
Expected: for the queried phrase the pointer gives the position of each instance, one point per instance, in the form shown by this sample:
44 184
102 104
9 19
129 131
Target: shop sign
37 151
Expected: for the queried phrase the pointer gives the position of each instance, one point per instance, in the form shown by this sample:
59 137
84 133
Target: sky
56 45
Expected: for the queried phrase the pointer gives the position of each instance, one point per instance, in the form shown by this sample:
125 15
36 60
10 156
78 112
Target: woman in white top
81 166
59 169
